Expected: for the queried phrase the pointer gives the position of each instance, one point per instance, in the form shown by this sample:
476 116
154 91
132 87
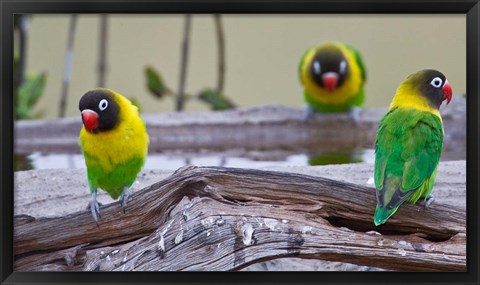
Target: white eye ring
103 104
316 67
343 66
436 82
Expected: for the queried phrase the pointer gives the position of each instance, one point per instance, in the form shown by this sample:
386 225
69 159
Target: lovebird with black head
409 143
333 76
114 142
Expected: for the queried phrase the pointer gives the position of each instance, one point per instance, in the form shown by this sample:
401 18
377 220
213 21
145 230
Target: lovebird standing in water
114 142
409 143
333 77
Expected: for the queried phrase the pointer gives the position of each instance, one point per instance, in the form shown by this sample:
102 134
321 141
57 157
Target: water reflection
338 157
239 158
22 162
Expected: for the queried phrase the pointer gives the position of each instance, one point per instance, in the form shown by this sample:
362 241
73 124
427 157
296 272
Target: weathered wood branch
213 218
258 127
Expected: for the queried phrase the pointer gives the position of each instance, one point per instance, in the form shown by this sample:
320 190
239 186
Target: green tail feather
382 215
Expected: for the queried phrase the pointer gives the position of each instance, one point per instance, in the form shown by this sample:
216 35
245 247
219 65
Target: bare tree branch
68 65
103 43
221 52
184 64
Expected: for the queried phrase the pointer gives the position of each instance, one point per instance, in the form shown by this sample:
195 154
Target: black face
102 102
329 59
431 85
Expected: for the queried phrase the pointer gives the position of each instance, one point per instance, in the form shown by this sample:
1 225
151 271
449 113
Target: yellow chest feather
126 141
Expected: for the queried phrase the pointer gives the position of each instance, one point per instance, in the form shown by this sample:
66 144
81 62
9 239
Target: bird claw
94 207
124 199
354 114
308 114
428 201
89 205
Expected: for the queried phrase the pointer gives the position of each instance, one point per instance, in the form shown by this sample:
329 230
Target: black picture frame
471 8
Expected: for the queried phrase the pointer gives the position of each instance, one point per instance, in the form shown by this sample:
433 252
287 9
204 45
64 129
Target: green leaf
21 112
29 93
34 87
155 83
216 100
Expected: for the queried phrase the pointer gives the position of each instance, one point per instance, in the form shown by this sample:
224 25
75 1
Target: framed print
290 142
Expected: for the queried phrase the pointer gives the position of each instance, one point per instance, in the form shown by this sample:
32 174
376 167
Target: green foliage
28 94
157 87
216 100
155 83
21 162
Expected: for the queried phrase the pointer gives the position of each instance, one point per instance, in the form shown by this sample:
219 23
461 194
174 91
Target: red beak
330 80
447 92
90 120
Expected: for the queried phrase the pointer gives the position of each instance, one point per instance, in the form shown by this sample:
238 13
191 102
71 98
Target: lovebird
409 143
114 142
333 76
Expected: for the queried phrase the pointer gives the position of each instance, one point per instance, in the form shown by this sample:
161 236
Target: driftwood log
214 218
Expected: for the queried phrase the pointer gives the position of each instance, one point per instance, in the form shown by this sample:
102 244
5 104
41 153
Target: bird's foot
308 114
94 207
354 114
428 201
90 204
124 199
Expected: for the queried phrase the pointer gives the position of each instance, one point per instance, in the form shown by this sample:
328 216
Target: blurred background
63 56
262 53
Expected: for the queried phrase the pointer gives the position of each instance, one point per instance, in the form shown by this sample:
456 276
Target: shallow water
171 161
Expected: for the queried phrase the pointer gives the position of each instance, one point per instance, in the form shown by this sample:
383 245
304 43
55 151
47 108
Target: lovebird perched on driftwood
114 142
333 76
409 143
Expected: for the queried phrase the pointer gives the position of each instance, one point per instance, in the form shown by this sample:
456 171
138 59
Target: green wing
421 153
407 151
359 59
383 147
